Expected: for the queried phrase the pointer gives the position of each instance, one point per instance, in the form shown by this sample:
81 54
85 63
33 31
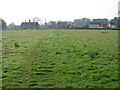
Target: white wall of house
94 26
113 26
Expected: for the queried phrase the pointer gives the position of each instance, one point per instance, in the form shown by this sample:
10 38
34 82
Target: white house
97 25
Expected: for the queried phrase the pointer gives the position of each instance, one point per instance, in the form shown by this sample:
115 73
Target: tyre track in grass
29 58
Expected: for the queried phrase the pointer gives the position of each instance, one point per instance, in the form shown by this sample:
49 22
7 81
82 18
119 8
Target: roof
94 23
112 23
97 23
29 22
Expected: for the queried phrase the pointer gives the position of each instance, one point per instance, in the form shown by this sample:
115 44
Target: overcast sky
66 10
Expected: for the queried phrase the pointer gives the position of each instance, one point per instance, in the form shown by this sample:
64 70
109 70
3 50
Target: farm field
60 59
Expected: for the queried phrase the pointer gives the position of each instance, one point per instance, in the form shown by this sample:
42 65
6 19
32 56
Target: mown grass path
20 58
30 56
61 59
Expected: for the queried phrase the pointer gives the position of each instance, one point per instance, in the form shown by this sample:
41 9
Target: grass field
60 59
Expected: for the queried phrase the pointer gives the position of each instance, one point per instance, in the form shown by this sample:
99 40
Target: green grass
60 59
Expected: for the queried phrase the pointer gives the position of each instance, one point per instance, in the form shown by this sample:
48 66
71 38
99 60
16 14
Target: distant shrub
69 87
104 32
58 53
85 45
16 44
57 34
92 54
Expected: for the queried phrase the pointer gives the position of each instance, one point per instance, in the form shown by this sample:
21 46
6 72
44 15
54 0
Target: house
113 25
29 25
97 25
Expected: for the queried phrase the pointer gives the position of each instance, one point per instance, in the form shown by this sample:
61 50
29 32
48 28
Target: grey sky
66 10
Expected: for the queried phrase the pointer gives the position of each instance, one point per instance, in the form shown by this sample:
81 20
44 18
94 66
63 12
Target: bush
16 44
92 54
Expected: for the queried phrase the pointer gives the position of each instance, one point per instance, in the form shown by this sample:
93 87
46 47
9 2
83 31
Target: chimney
29 20
45 22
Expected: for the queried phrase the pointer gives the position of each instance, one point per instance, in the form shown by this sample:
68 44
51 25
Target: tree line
75 24
82 23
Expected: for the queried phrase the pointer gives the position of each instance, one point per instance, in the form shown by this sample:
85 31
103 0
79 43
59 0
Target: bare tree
38 19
